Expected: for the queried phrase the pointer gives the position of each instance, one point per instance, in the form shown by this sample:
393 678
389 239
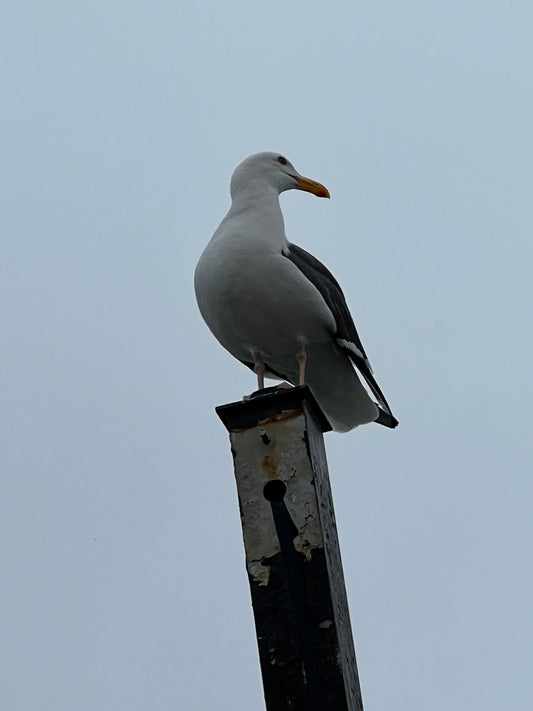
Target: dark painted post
293 559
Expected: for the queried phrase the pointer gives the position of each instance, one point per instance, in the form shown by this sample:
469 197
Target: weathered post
293 559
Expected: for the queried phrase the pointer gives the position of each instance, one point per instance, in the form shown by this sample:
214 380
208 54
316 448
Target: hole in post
274 490
264 437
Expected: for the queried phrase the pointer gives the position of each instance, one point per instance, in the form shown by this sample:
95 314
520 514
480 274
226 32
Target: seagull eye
282 160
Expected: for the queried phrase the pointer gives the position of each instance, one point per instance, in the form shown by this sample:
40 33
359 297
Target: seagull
276 308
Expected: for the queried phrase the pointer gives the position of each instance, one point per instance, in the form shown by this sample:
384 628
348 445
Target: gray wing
346 334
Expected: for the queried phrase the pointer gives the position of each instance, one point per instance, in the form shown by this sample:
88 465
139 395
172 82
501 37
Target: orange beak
311 186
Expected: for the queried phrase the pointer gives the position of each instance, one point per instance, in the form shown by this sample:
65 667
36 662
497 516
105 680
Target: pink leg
301 357
259 370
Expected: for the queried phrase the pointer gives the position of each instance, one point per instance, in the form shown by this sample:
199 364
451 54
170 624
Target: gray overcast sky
123 581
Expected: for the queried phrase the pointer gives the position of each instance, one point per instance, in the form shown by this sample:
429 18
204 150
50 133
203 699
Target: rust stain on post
270 466
278 417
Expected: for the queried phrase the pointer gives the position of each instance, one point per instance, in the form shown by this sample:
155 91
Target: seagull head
273 170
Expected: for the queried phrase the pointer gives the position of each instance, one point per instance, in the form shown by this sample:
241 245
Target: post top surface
265 404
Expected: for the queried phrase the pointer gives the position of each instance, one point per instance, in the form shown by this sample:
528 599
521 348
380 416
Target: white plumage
278 309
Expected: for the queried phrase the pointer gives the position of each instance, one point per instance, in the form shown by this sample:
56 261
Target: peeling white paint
275 450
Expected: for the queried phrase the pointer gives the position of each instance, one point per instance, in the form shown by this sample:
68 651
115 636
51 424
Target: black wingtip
386 419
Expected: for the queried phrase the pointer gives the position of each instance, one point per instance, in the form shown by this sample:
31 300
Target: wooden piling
293 558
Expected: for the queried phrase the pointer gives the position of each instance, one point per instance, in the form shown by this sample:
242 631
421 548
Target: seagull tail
385 416
386 419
